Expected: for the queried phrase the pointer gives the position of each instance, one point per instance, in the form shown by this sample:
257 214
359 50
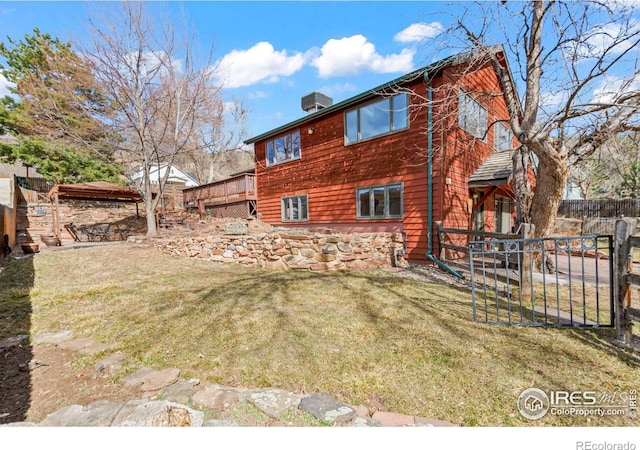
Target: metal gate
559 282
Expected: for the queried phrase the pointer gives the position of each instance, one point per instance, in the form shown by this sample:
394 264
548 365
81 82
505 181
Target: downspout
429 253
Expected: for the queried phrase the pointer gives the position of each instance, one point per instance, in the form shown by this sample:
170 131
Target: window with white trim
502 137
379 202
376 118
295 209
283 148
472 116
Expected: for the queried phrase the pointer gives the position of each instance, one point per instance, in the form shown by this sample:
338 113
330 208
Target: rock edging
313 251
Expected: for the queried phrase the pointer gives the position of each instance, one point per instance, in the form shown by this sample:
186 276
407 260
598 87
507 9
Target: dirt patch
38 380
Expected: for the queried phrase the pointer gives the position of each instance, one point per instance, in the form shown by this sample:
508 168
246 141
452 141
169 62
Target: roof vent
315 101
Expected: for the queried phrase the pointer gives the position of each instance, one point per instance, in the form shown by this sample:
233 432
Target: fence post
622 256
526 264
2 251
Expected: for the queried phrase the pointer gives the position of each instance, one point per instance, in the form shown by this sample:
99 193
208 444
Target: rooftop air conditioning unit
315 101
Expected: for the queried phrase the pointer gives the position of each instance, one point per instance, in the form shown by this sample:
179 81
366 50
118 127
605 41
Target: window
295 209
472 116
283 148
379 202
377 118
502 137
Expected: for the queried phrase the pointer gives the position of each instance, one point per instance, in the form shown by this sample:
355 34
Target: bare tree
611 172
573 97
219 140
164 100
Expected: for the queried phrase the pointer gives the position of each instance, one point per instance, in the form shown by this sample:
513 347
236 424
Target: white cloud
4 86
611 88
620 4
355 54
551 99
152 64
418 31
260 63
152 60
257 95
609 39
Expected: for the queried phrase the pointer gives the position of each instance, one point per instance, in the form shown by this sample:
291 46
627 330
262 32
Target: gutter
429 253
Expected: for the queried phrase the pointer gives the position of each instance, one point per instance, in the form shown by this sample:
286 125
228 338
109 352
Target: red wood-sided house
433 145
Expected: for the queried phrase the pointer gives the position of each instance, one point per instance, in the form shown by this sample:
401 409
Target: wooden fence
577 209
457 240
2 244
626 313
34 184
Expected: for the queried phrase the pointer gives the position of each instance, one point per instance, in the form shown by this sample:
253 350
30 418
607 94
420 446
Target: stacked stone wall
355 251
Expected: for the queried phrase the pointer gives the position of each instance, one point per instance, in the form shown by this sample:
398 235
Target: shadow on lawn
16 281
603 340
447 307
436 302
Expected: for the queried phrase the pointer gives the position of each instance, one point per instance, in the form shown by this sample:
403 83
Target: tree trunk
550 182
522 186
152 228
150 204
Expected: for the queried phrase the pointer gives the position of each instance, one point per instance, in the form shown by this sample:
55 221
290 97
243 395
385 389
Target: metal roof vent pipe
315 102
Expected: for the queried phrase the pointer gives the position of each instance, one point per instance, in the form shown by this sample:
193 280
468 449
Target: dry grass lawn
368 338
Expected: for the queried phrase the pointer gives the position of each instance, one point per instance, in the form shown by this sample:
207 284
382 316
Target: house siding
329 172
458 154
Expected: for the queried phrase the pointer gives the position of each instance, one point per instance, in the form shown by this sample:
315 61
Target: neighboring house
177 181
390 160
572 192
158 171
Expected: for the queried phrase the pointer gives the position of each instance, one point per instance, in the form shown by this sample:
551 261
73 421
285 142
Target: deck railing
231 190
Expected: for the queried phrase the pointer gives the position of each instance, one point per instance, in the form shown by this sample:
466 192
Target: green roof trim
343 104
431 69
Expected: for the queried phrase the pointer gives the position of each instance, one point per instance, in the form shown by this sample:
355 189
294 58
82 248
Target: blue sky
277 52
280 50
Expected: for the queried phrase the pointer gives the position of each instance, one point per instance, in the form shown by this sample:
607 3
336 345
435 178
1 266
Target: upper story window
472 116
379 202
502 137
283 148
376 118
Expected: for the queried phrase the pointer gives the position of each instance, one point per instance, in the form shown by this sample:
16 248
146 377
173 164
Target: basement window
379 202
295 209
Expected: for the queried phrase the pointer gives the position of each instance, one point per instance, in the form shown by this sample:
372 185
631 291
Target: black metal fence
577 209
574 287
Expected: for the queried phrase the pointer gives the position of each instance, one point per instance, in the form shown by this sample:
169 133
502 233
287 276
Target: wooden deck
232 190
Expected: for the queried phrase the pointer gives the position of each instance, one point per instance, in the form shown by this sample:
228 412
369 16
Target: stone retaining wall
354 251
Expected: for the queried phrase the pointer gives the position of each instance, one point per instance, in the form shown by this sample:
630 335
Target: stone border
165 396
279 250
